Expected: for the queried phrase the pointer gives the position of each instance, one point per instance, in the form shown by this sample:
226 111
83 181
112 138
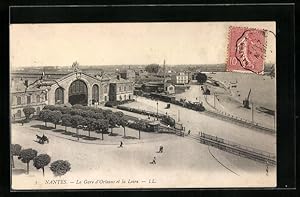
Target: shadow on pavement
129 137
58 130
18 171
43 127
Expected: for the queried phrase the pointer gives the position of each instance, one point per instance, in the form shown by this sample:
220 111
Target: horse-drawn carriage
42 139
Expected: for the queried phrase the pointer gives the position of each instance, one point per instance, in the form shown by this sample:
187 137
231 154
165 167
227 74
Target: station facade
74 88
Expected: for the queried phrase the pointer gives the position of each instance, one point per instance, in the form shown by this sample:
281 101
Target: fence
238 149
239 121
242 122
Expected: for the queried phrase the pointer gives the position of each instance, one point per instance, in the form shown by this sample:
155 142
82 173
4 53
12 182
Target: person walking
189 132
154 160
161 148
121 145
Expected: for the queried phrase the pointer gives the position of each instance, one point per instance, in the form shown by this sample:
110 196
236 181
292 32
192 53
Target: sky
125 43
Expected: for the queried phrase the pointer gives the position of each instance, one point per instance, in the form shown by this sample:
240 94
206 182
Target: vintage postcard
143 105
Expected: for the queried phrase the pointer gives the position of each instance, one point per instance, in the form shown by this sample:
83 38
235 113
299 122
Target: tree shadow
43 127
129 137
89 138
18 171
67 133
113 134
58 130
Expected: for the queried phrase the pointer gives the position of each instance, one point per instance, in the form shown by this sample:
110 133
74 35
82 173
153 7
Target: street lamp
139 128
157 109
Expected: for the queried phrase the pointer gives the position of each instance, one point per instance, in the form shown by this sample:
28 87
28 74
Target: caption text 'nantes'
100 181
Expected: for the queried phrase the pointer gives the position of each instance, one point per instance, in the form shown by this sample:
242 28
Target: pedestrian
267 170
160 149
189 132
121 144
154 160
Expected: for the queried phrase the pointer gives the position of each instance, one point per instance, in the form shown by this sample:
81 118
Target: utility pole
215 100
139 128
252 112
275 121
157 109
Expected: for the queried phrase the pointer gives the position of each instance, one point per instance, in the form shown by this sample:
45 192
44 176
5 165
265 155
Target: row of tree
59 167
90 119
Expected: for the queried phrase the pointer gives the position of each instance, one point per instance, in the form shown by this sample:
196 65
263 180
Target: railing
242 122
238 149
239 121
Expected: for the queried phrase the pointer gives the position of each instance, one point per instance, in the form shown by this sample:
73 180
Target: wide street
198 122
184 162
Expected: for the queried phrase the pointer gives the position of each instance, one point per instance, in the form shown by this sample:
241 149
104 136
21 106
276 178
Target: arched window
28 99
105 88
59 96
19 100
38 98
95 93
38 109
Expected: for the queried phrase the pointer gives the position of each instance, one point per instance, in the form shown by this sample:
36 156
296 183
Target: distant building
141 72
127 74
153 87
180 78
120 89
158 87
21 97
170 89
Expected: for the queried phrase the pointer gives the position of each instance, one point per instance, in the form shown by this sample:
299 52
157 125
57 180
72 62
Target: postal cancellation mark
246 50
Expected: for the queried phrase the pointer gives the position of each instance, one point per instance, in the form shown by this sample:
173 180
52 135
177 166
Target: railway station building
76 87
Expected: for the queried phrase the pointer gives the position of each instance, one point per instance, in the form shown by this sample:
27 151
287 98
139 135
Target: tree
60 167
98 116
15 150
65 110
113 119
90 125
201 78
101 126
123 123
45 115
76 121
119 114
28 111
152 68
27 155
55 117
41 161
106 113
66 121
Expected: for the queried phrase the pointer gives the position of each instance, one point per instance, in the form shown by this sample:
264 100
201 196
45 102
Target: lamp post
157 109
139 128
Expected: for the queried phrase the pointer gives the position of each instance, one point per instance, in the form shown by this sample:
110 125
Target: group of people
161 149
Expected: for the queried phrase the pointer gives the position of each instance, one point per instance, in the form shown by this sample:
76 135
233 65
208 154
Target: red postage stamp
246 50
